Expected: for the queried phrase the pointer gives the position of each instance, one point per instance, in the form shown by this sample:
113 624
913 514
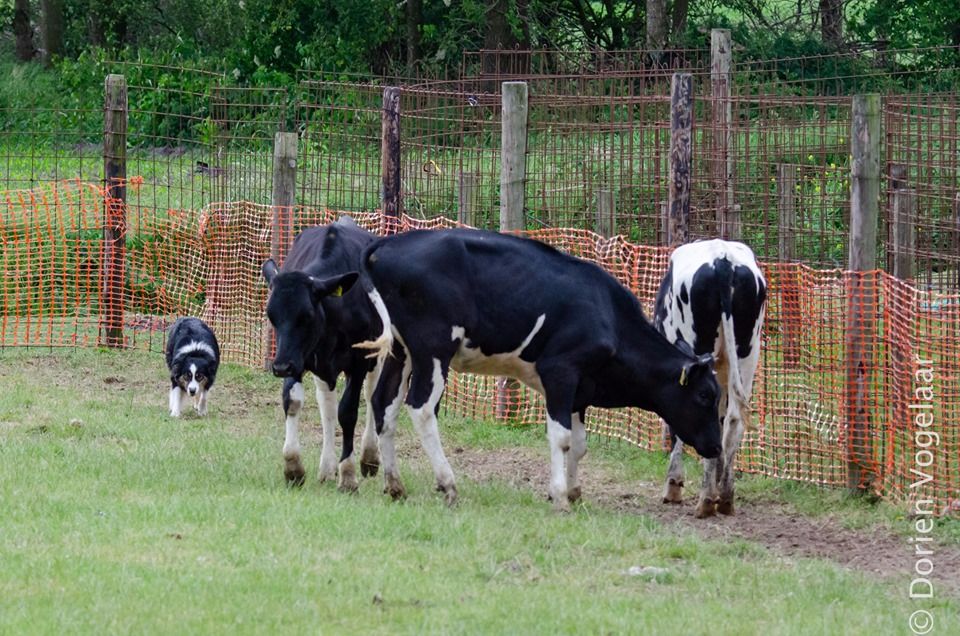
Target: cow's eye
704 395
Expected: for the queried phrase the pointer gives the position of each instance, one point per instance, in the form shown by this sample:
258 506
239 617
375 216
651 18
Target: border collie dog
193 356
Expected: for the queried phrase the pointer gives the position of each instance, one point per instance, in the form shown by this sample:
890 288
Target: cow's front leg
673 489
426 388
327 399
347 414
578 448
292 405
386 402
369 455
732 435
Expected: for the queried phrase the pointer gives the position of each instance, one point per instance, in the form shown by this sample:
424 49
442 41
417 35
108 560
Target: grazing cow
318 315
712 299
493 304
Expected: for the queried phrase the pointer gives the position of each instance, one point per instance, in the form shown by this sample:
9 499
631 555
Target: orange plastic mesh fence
881 396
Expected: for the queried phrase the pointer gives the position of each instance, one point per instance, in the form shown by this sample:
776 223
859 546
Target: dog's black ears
335 285
269 270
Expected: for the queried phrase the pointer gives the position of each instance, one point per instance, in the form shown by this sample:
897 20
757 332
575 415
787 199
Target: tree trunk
831 23
414 19
52 29
680 10
656 25
23 31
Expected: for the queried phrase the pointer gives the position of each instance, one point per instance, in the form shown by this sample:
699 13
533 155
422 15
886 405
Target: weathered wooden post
721 62
390 157
681 134
513 156
466 193
606 214
115 209
513 166
903 214
789 272
862 288
282 203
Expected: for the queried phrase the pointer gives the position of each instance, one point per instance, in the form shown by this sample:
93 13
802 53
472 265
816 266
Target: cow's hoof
574 494
705 508
394 488
327 471
369 467
294 474
450 494
348 487
673 492
348 478
725 506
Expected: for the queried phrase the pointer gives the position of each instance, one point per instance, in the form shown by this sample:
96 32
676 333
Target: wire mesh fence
197 221
207 263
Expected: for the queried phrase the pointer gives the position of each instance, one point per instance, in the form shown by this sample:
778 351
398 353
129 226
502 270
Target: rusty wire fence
199 165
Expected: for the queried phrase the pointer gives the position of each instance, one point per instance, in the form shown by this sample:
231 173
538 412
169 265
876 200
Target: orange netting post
115 210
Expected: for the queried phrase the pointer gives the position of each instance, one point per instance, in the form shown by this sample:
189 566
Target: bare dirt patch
776 526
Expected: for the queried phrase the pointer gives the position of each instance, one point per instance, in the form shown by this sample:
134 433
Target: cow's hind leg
673 489
578 448
732 435
426 388
707 505
292 404
386 402
327 399
369 455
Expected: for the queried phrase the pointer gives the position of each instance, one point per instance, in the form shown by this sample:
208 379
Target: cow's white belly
469 359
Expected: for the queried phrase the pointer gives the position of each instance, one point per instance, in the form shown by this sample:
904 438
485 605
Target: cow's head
690 401
300 308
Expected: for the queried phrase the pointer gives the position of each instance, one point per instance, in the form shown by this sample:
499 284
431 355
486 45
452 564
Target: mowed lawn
115 518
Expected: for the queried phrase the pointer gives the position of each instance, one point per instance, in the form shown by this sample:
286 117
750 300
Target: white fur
425 421
176 399
291 443
195 345
327 399
472 360
559 438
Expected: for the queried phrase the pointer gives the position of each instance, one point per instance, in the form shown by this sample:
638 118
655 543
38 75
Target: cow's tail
738 402
381 346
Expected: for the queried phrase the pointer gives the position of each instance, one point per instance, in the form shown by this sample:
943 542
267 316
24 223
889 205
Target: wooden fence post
513 165
903 234
115 209
390 157
721 62
681 131
466 209
862 288
282 202
606 213
789 269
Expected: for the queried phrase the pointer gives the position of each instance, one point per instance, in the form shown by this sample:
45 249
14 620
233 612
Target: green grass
118 519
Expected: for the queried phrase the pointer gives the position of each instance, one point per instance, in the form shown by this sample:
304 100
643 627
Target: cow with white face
712 301
318 314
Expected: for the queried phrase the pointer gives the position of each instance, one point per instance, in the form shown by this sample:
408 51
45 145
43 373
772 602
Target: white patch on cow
368 442
195 345
559 438
291 442
176 397
388 451
425 421
327 399
578 448
457 333
469 359
380 347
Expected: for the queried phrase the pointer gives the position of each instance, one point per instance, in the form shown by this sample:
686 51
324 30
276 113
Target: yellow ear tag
338 291
683 377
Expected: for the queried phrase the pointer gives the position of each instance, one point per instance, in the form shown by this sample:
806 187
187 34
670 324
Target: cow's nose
282 369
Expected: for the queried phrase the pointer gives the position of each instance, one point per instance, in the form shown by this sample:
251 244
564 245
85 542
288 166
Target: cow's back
327 250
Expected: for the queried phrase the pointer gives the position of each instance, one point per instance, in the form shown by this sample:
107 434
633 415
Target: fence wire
207 263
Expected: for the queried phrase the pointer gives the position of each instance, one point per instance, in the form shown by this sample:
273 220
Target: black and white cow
318 315
712 299
493 304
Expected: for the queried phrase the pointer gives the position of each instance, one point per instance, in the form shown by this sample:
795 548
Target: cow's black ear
703 364
683 346
335 285
269 270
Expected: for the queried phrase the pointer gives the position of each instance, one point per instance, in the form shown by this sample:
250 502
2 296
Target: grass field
117 519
